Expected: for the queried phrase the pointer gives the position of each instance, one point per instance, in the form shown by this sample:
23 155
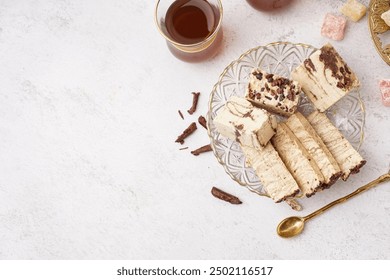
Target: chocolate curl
225 196
202 121
204 149
188 131
195 99
180 114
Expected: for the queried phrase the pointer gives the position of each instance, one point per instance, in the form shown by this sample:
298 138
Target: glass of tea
192 28
268 5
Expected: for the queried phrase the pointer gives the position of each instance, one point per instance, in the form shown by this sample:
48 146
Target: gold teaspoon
292 226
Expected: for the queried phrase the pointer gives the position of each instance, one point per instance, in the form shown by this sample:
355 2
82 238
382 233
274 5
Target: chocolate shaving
184 148
238 134
225 196
202 121
195 99
259 76
291 95
269 77
186 133
204 149
180 114
239 127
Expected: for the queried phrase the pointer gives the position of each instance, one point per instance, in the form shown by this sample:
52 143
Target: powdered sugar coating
384 86
333 27
353 10
386 17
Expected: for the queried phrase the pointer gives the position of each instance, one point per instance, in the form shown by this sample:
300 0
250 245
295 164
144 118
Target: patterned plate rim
375 23
362 106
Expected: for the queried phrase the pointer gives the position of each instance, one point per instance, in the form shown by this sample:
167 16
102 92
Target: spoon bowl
291 226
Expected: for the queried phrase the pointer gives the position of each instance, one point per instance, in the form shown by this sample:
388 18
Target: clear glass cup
269 5
196 50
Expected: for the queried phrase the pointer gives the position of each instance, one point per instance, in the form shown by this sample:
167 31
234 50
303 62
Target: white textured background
89 169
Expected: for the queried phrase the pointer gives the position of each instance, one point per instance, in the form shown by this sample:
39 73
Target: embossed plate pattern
378 26
278 58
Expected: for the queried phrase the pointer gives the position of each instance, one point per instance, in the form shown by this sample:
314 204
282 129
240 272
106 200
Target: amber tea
192 28
190 21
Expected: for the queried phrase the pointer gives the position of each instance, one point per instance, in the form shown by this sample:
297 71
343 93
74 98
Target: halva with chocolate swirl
239 120
298 161
325 77
349 160
273 93
272 172
315 147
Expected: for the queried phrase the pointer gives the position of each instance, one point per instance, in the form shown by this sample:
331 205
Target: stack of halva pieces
300 155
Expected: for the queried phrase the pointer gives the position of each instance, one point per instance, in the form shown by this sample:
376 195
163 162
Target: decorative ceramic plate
378 26
278 58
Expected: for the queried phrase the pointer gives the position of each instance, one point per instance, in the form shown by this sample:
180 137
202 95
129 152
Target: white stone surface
88 117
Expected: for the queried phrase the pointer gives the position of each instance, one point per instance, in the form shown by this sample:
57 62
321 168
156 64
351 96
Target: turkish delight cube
386 17
353 10
333 27
384 86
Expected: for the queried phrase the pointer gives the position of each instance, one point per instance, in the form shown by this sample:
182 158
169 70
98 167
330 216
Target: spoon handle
381 179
